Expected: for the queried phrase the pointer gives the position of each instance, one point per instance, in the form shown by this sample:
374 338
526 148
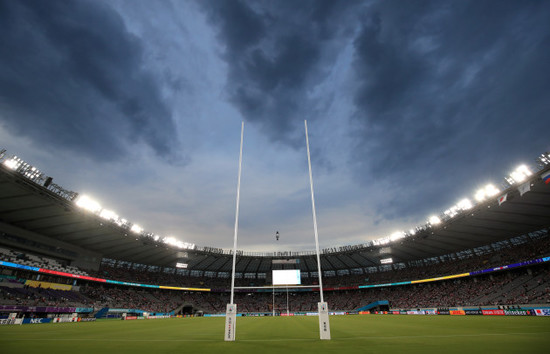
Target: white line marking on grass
269 340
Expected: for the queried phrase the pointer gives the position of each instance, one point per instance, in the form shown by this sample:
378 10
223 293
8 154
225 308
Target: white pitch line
273 340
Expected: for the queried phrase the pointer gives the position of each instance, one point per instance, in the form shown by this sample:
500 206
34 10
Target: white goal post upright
324 325
231 310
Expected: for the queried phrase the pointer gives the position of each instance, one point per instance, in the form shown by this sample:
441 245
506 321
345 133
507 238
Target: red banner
493 312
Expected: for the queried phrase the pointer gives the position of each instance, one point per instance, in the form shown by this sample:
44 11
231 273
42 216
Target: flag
524 188
546 177
502 199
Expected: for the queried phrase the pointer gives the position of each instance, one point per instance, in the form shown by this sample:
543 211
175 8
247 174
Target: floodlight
491 190
397 235
108 214
12 164
434 220
120 222
544 159
488 191
519 174
480 195
137 229
465 204
412 231
381 241
89 204
452 212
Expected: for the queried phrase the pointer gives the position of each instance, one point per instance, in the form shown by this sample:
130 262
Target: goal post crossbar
277 287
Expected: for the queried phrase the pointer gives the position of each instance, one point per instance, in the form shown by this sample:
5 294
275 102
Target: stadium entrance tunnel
186 309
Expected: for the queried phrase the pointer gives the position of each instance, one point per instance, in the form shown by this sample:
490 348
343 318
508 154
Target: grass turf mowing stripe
350 334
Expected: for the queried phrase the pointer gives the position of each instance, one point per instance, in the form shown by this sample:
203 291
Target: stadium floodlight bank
322 306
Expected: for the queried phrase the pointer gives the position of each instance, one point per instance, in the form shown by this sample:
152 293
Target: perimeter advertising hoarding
542 312
493 312
517 312
473 312
36 320
457 312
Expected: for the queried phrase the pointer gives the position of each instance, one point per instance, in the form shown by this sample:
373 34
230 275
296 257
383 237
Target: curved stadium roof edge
38 205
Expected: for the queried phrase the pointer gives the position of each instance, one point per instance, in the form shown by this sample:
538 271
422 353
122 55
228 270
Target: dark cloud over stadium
411 106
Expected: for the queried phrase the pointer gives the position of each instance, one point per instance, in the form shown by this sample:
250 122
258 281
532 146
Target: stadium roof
47 210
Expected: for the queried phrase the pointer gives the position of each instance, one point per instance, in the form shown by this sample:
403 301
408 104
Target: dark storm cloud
277 52
73 77
446 91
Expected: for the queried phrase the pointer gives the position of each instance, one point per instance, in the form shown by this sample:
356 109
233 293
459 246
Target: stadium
120 228
63 259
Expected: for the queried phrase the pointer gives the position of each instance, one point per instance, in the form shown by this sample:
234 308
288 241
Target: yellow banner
440 278
47 285
178 288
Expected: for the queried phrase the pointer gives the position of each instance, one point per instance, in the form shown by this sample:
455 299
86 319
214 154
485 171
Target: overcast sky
411 106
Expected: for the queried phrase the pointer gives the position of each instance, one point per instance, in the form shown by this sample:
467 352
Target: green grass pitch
264 335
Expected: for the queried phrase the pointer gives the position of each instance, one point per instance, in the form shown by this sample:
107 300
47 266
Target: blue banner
36 320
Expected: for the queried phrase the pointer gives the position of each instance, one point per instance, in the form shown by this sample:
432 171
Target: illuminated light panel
386 260
89 204
181 265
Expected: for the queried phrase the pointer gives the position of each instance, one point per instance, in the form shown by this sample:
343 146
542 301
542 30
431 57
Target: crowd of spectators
525 285
507 255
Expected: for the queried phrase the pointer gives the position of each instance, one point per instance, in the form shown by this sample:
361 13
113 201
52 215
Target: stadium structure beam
369 261
52 228
27 209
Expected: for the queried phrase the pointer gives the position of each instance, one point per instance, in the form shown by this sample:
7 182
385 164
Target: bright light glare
434 220
386 260
488 191
397 235
89 204
412 231
137 229
108 214
381 241
172 241
521 173
452 212
11 163
465 204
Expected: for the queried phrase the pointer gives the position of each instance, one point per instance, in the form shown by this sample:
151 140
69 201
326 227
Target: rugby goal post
231 308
